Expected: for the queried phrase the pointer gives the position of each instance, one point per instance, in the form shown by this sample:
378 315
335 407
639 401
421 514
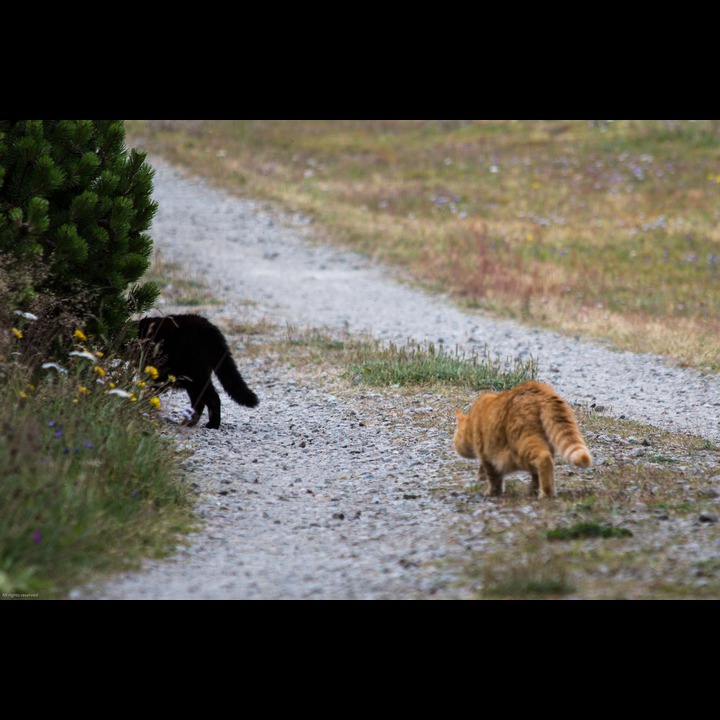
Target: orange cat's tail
559 424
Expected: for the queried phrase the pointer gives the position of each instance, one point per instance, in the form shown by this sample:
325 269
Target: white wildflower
26 315
55 366
121 393
84 354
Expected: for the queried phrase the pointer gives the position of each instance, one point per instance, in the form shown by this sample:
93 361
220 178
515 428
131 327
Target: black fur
191 348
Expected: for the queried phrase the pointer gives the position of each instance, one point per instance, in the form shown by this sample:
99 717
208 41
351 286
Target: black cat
191 348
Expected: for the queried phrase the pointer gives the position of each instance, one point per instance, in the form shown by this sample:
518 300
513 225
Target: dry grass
605 228
177 285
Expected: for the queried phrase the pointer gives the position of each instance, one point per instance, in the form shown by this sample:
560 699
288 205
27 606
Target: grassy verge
89 484
604 228
91 481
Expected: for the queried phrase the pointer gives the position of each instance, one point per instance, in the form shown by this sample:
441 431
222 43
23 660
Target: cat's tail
561 428
233 383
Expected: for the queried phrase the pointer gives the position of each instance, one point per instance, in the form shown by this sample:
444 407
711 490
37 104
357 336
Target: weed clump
416 364
584 530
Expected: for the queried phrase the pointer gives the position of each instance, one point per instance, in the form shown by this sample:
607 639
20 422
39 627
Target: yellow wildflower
155 402
152 372
80 335
17 333
23 395
100 372
99 353
142 383
83 390
133 399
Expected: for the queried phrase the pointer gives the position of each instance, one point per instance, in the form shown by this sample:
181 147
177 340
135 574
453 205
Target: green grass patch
531 578
584 530
660 458
415 364
538 586
710 566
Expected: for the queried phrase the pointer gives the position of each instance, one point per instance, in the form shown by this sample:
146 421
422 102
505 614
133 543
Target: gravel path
324 494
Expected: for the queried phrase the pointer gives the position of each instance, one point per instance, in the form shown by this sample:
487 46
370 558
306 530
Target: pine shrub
75 208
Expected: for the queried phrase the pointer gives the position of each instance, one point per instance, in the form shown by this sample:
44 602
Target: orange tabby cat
520 429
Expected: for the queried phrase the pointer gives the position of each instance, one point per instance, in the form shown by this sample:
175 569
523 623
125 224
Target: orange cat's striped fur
520 429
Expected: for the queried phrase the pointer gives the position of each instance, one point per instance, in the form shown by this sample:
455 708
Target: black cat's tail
233 383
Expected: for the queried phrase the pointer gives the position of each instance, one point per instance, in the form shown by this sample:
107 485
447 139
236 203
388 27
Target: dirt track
326 491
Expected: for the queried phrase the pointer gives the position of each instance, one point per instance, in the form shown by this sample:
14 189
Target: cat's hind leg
542 469
212 400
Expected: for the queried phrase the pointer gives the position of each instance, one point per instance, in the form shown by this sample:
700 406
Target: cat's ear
459 414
